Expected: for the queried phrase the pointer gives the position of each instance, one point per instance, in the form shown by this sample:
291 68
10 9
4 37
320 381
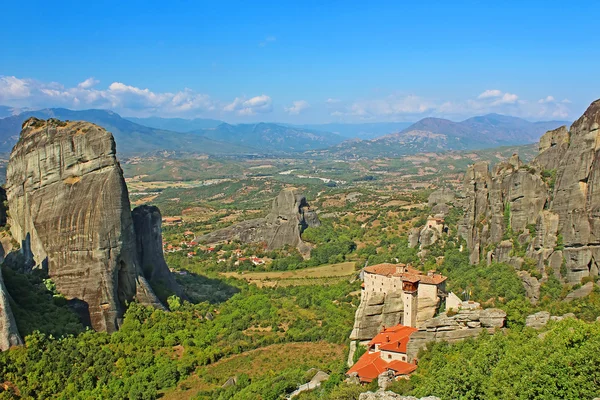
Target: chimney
400 269
431 272
387 338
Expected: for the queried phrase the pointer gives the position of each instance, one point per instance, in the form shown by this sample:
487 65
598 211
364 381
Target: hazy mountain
177 124
438 134
5 111
272 137
361 131
131 138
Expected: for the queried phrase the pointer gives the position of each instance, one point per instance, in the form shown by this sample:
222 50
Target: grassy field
258 363
324 275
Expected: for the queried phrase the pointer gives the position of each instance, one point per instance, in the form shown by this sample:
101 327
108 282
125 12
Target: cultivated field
324 275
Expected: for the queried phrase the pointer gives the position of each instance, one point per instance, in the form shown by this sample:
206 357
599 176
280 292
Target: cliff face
290 215
548 212
147 222
69 208
9 334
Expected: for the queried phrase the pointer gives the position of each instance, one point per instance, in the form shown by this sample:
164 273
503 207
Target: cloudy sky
302 61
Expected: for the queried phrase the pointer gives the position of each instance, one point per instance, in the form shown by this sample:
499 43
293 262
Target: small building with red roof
385 352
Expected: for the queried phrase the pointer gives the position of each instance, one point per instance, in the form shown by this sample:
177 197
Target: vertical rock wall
559 194
69 205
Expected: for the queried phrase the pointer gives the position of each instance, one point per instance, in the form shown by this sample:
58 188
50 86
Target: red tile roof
393 339
370 365
410 274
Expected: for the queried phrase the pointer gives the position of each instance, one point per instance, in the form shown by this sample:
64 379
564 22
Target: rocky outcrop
290 215
69 209
9 334
549 210
147 222
465 324
375 311
441 196
388 395
540 319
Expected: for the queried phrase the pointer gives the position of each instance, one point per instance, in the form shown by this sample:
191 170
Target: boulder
583 291
69 208
537 320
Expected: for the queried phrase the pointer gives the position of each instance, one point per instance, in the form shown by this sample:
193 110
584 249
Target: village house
418 289
436 222
385 352
172 220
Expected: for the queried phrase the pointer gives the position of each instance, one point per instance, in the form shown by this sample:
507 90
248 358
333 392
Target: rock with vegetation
290 215
540 217
454 328
389 395
69 208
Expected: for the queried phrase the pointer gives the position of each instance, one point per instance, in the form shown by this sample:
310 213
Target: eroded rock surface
389 395
375 311
9 334
147 222
549 210
69 207
290 215
465 324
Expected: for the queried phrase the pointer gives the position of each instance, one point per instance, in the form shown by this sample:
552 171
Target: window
389 356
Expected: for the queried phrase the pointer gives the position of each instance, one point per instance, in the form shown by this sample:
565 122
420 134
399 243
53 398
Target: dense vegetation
561 363
154 349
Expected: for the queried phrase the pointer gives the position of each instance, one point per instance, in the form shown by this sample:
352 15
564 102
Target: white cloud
389 107
297 107
490 93
88 83
507 98
12 88
547 99
268 39
123 98
246 107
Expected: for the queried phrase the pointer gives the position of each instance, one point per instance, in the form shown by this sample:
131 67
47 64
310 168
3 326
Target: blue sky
334 61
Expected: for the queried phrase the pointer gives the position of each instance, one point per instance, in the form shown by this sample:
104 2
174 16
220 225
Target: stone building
418 291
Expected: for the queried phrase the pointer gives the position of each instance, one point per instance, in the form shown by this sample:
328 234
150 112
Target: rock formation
69 208
289 216
9 335
465 324
375 311
147 222
547 212
389 395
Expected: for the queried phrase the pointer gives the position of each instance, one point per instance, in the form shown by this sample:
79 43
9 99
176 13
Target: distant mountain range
131 138
215 138
360 131
437 134
177 124
207 136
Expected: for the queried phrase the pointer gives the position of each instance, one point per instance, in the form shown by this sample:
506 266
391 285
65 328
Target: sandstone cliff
290 215
9 334
69 208
147 222
546 213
